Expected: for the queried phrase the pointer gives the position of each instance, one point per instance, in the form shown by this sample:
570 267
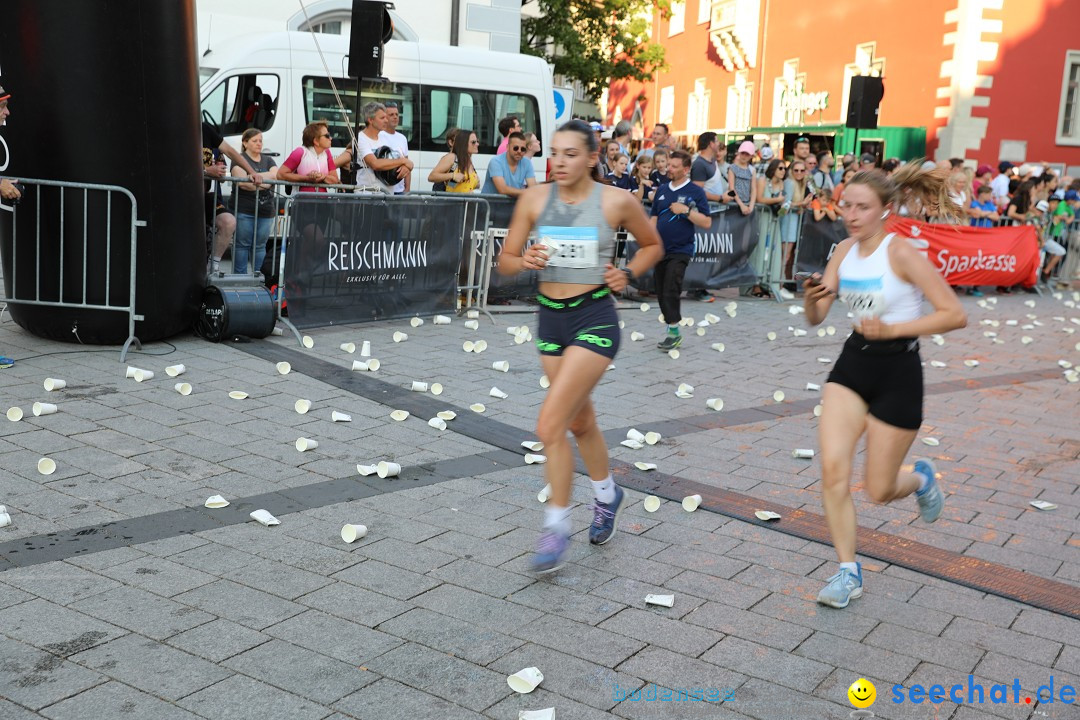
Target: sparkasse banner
965 255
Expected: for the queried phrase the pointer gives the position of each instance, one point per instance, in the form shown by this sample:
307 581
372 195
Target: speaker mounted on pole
864 100
371 29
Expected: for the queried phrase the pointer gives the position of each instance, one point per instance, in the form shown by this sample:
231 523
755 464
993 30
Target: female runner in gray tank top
573 222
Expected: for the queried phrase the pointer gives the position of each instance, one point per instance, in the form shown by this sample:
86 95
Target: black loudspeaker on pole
371 29
864 100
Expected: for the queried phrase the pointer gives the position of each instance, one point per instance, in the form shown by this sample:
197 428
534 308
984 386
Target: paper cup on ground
661 600
632 444
532 445
525 681
265 518
534 459
436 389
5 519
802 453
651 504
477 407
304 444
416 322
778 396
302 406
480 346
437 423
674 354
399 415
238 395
685 388
418 386
143 375
388 469
544 495
373 364
400 336
336 416
41 408
468 346
644 466
183 388
348 347
472 314
651 438
278 331
931 441
817 410
635 434
501 366
635 336
441 320
366 470
129 373
714 404
813 386
545 382
472 324
283 367
690 503
14 414
174 370
308 342
365 349
446 415
718 347
46 466
766 515
352 533
497 393
215 502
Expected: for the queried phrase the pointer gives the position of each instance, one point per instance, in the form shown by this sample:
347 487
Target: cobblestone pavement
121 596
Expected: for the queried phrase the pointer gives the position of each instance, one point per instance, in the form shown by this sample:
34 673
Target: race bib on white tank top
865 297
578 247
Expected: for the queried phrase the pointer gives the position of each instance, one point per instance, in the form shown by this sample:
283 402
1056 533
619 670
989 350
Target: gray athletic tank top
585 242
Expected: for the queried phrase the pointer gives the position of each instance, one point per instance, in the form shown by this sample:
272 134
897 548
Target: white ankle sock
853 567
604 489
557 518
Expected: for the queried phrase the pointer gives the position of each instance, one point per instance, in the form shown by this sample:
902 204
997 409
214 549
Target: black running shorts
588 320
887 376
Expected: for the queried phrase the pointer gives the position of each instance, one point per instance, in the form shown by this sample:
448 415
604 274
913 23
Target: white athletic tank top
870 288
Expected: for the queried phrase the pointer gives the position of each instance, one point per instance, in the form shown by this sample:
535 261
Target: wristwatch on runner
629 275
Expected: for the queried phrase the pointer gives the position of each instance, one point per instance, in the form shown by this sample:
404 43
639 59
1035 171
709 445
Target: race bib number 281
575 247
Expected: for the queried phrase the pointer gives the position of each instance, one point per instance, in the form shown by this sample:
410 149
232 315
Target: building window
704 11
697 109
740 98
1069 113
667 105
677 22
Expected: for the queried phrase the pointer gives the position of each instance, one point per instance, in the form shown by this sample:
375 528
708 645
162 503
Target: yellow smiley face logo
862 693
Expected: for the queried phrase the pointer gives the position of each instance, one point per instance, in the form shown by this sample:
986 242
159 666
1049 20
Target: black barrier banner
524 283
721 256
817 243
356 258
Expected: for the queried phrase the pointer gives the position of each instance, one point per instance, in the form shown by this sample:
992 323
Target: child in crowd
641 183
823 206
983 211
1058 216
660 161
618 175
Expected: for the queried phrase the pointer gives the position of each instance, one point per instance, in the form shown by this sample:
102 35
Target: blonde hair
914 188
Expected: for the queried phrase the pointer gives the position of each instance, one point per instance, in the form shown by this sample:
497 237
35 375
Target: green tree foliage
596 41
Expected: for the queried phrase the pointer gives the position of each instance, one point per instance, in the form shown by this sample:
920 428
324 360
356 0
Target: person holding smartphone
876 386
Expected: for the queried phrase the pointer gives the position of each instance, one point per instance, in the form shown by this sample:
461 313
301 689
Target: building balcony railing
733 31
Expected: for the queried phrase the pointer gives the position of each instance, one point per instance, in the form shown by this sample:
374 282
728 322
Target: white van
277 83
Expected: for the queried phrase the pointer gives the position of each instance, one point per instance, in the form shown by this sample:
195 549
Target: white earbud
884 214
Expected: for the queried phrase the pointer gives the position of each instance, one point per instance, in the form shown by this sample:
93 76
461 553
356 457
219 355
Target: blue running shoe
605 516
843 587
931 500
549 552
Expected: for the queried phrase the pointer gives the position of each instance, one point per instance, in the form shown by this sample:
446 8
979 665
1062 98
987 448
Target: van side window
240 102
320 104
477 110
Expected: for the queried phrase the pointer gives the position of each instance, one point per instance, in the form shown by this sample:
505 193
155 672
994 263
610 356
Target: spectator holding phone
740 178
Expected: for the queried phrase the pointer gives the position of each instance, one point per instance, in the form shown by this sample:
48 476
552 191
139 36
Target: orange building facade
987 79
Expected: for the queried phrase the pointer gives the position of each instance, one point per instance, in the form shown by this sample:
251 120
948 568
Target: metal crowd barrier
91 196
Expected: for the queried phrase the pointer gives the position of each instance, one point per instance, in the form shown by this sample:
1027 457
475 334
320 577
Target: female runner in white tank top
578 330
876 385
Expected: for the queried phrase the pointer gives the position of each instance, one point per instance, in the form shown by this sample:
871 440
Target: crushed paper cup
174 370
535 459
399 415
283 368
183 388
661 600
304 444
1072 376
336 416
644 466
265 518
802 453
301 406
685 388
651 504
766 515
711 318
525 681
632 444
41 408
480 346
683 395
143 375
308 342
1042 505
674 354
690 503
545 382
817 410
415 322
814 387
990 334
1011 323
731 313
719 347
215 502
472 314
704 323
497 393
533 445
937 339
794 309
937 364
545 714
1030 303
651 438
418 386
446 415
388 469
635 434
46 466
931 441
1061 363
501 366
238 395
1027 340
545 494
824 360
400 336
352 533
14 414
714 404
366 470
798 332
830 331
277 331
440 320
971 363
477 407
437 423
644 307
778 396
348 347
365 349
472 324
